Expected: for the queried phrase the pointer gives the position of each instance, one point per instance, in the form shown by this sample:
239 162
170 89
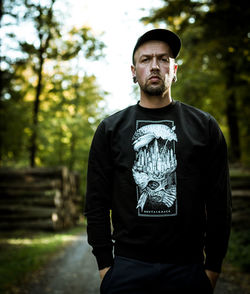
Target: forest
50 107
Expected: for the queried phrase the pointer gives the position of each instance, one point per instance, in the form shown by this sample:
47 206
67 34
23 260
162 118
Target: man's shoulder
198 117
194 110
118 115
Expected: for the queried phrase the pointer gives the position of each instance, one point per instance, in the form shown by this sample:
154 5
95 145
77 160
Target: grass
22 253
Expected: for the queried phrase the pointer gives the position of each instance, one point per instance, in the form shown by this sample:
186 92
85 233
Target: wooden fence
39 198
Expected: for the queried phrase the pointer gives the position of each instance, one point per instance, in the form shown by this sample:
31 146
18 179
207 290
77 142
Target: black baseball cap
164 35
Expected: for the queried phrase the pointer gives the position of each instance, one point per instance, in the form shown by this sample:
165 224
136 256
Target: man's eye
165 59
144 60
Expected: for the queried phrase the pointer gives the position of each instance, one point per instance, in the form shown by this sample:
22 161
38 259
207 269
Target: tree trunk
72 151
33 147
44 43
232 116
232 119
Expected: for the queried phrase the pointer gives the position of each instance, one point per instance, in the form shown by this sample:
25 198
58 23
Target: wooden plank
50 172
241 193
25 212
242 182
17 194
46 224
47 202
29 186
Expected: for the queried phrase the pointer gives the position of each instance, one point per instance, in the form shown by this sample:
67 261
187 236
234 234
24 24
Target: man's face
154 67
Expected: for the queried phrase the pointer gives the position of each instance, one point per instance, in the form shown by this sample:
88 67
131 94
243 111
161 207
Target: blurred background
65 65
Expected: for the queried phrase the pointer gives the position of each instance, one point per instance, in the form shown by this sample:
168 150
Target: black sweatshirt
162 176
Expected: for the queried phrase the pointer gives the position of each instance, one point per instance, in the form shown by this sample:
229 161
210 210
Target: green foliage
69 116
35 83
15 116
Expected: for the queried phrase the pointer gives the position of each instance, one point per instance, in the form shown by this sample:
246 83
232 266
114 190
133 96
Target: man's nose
155 64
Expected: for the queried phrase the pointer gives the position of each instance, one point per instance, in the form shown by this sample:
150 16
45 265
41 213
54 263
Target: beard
154 90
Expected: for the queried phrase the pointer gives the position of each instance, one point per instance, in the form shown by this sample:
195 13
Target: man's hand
213 277
103 272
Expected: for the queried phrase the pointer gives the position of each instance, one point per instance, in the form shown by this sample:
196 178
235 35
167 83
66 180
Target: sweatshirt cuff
104 258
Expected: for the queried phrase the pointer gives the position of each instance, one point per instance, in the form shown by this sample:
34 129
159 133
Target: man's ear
133 73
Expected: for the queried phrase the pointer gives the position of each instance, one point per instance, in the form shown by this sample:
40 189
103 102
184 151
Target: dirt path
74 271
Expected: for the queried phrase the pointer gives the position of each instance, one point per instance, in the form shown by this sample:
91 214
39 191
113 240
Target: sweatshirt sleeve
98 198
218 201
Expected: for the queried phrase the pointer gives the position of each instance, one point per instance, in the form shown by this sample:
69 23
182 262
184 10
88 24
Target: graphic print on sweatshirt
154 168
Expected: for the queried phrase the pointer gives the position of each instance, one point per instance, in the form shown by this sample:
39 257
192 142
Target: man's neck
155 101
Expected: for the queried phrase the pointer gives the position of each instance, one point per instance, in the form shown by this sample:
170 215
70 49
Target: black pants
129 276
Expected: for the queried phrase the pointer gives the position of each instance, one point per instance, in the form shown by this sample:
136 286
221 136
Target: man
160 167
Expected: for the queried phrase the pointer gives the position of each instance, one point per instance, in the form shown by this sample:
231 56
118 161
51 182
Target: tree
47 45
69 116
215 38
